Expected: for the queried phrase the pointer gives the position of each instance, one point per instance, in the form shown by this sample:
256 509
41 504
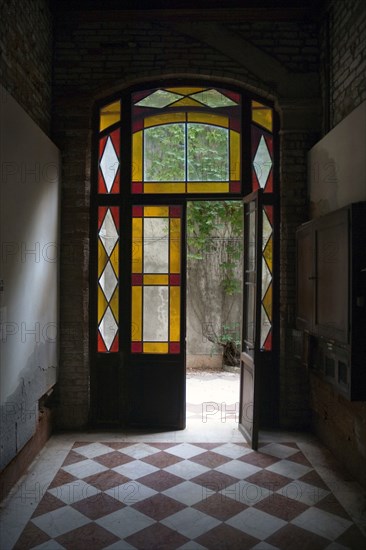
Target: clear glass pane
158 99
108 328
108 281
251 241
262 162
164 153
267 229
207 151
213 98
250 313
109 164
155 313
156 245
266 278
265 326
108 233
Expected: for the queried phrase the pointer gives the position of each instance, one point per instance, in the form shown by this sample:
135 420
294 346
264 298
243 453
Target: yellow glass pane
156 188
156 211
174 313
109 114
208 187
234 156
102 304
186 102
102 258
174 245
267 302
114 259
185 91
217 120
268 253
136 317
136 245
155 347
114 304
156 279
164 119
137 156
262 115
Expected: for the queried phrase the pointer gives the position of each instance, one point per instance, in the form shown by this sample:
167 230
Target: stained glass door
157 355
156 149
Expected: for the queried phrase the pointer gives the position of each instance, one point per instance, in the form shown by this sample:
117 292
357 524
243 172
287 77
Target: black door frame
109 403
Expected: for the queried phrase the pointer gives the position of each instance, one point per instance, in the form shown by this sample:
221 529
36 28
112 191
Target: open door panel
250 356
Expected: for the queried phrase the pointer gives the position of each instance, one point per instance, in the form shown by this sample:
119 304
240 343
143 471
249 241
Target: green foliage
207 153
166 155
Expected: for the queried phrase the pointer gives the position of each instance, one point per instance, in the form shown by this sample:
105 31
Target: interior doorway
214 299
177 144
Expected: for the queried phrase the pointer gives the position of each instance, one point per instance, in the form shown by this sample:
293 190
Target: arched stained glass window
172 141
186 140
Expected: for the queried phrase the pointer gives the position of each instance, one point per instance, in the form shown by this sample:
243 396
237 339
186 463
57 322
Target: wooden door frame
117 360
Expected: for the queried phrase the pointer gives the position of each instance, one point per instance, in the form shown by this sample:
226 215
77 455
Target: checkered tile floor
189 496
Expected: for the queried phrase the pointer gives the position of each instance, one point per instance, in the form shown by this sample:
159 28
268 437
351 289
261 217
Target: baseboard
18 466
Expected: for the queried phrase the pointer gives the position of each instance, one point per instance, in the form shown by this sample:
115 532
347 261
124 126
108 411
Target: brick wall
92 59
26 56
294 384
346 63
342 424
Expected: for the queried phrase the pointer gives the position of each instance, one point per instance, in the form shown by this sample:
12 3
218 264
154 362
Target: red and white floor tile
174 494
198 488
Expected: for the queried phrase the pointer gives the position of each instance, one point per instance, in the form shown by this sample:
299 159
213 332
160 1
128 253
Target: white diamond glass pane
213 98
156 313
108 328
108 281
156 245
266 277
265 326
262 163
208 153
158 99
108 233
164 153
109 164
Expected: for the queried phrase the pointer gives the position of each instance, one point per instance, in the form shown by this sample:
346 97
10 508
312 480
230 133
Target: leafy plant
231 346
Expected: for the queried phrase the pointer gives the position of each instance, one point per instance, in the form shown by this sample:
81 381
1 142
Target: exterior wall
26 57
339 423
95 56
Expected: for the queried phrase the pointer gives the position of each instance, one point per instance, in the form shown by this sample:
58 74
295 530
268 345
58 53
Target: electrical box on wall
331 287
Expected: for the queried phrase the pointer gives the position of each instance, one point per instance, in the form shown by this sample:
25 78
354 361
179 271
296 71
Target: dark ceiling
312 7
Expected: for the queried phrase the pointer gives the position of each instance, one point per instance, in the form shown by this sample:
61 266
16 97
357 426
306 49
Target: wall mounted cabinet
331 296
